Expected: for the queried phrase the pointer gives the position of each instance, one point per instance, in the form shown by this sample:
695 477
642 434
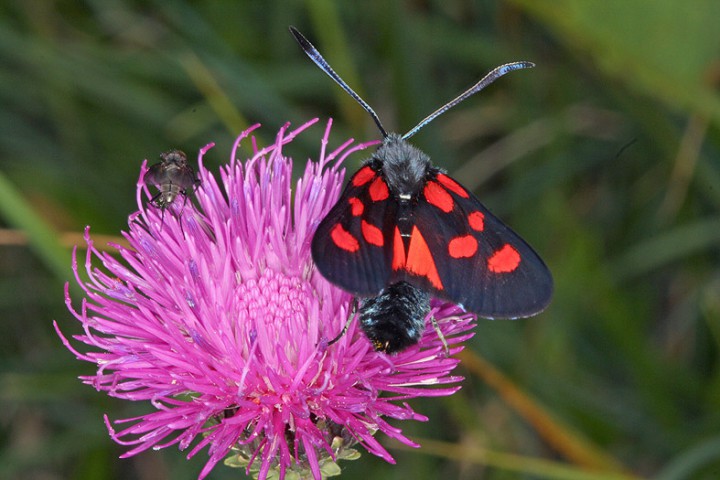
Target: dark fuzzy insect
395 318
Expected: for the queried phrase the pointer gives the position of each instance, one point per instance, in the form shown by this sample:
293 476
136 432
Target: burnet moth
403 231
173 176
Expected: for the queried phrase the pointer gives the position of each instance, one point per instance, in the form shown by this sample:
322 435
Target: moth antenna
315 56
496 73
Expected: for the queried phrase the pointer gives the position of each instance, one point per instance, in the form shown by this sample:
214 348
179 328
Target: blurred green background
605 157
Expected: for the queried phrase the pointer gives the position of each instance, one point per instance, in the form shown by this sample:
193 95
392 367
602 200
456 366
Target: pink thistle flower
217 317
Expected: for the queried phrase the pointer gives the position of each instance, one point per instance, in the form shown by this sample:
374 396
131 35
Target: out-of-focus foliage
605 157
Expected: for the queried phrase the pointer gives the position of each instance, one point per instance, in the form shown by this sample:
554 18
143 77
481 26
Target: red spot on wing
398 260
477 221
378 190
504 260
420 260
372 234
344 239
356 206
363 176
452 185
436 195
463 246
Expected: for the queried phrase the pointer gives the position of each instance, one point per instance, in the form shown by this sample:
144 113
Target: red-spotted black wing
349 246
471 257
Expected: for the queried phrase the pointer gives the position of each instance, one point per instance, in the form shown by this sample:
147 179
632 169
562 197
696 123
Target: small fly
173 176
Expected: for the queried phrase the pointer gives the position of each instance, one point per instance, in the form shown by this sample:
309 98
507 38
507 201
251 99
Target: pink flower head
218 319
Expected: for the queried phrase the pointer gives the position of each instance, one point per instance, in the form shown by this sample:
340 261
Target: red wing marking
344 239
356 206
463 246
363 176
504 260
452 185
398 260
378 190
477 221
372 234
420 260
436 195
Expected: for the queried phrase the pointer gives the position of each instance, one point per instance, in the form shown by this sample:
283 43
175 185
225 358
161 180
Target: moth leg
440 335
353 311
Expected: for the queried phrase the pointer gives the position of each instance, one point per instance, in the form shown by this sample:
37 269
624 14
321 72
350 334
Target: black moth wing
340 246
506 292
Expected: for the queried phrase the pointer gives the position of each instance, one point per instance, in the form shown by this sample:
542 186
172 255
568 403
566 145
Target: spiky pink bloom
218 319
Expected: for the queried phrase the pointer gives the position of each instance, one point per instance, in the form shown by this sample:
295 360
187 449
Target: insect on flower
173 176
216 328
403 229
